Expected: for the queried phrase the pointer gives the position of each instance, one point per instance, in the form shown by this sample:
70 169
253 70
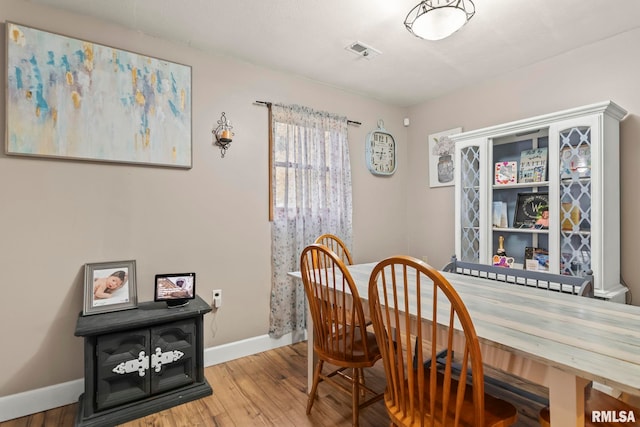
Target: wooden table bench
581 286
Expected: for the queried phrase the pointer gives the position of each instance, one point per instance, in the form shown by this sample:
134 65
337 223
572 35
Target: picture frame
109 286
529 212
536 259
74 99
505 173
442 158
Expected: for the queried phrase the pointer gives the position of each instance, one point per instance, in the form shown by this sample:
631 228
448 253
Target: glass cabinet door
469 231
575 203
575 200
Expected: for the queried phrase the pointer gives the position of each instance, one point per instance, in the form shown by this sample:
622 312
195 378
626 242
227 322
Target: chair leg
355 396
314 387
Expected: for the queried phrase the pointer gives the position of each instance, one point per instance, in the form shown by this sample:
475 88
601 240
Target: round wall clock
380 151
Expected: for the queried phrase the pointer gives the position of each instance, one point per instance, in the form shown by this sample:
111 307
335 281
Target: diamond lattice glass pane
470 204
575 200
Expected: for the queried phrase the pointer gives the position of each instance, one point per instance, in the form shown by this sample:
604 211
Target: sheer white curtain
311 196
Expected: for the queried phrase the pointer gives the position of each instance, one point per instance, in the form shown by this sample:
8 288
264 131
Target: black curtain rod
350 122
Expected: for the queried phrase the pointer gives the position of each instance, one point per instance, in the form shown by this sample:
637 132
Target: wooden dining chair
334 243
418 392
339 327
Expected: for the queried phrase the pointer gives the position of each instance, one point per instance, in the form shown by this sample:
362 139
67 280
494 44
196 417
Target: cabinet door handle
160 358
141 364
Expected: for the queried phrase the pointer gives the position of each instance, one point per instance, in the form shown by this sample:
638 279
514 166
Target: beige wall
57 215
598 72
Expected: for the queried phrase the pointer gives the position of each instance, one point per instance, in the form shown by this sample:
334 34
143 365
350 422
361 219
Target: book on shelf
506 173
533 165
500 215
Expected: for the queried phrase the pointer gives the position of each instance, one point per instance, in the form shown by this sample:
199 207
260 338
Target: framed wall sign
75 99
441 158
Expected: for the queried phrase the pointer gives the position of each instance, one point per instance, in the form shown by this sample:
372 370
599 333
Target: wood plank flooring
269 389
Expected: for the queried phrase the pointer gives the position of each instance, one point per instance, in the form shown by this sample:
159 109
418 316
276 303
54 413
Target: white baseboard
235 350
38 400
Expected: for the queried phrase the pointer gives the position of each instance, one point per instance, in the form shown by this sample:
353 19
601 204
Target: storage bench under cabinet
581 182
141 361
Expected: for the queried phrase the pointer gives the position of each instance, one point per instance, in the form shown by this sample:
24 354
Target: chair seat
497 411
354 354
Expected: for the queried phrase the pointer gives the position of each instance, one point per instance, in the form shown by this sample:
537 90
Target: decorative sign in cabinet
141 361
548 188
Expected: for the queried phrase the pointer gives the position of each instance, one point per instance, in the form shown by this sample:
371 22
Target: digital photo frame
175 289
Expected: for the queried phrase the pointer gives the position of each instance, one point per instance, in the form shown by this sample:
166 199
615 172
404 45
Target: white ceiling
308 37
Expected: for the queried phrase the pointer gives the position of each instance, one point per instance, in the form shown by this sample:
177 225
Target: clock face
381 153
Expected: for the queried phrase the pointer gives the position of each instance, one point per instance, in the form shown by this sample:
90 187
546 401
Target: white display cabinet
581 182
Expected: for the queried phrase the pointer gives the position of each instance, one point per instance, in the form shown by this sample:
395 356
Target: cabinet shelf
521 185
572 181
569 233
520 230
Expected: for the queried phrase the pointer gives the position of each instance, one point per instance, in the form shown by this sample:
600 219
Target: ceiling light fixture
437 19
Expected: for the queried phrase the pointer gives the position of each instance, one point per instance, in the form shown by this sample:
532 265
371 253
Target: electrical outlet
425 259
217 298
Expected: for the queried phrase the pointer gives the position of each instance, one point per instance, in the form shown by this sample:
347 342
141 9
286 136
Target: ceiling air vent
363 50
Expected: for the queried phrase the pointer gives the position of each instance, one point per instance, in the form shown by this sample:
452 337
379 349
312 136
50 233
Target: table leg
566 398
311 355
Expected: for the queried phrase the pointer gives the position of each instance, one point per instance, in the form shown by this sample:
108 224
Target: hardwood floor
269 389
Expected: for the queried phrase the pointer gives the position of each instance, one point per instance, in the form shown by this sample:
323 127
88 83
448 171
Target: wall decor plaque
532 211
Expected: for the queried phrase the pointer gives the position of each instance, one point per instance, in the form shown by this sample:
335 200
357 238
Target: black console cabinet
141 361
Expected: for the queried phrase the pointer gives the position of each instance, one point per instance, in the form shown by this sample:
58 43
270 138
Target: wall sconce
223 134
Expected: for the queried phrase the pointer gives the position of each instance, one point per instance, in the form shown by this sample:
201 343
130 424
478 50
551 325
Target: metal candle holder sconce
223 134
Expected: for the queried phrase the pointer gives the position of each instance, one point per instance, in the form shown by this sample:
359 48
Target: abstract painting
74 99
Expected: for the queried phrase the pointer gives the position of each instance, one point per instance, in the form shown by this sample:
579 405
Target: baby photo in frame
109 286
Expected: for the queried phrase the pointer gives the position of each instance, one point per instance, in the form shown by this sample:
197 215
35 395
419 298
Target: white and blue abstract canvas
75 99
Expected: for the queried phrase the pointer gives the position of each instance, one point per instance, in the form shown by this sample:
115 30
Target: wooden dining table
560 341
